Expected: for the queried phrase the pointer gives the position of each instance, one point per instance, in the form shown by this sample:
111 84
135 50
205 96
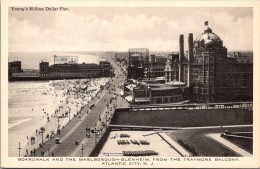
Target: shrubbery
188 147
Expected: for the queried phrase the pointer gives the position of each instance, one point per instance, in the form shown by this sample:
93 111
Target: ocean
31 60
30 102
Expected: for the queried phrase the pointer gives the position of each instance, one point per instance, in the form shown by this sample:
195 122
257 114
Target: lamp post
69 114
82 149
42 136
95 131
58 122
58 130
19 148
106 120
88 99
82 105
41 132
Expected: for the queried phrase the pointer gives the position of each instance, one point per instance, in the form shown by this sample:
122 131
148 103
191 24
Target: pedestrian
52 154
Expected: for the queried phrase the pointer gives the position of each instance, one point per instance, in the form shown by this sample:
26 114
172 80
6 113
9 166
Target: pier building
14 67
68 71
61 70
26 74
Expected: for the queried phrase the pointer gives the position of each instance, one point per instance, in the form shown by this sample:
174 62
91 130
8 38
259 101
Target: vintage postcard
132 84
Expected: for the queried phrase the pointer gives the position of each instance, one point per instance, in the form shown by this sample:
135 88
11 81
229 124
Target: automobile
103 124
92 130
91 106
57 140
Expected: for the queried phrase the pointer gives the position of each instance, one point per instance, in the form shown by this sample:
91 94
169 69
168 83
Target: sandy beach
50 106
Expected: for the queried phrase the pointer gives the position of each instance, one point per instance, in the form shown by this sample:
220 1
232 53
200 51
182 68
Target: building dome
209 42
208 36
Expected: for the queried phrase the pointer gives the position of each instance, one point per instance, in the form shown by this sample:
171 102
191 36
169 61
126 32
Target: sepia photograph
129 85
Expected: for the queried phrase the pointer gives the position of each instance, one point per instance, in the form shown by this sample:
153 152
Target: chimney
190 46
181 56
206 24
190 58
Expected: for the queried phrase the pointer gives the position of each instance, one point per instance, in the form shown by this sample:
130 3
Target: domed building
208 51
208 41
210 74
208 38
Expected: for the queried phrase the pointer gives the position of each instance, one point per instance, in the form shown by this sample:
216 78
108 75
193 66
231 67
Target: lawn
245 143
203 145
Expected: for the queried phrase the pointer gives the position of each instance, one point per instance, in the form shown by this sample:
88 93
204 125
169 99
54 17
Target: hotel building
210 74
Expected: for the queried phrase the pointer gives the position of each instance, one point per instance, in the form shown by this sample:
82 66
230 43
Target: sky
121 28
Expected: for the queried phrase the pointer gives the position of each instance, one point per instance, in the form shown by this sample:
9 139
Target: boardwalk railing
227 105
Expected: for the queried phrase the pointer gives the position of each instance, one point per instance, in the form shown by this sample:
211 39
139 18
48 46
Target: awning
131 86
160 78
142 100
175 83
129 98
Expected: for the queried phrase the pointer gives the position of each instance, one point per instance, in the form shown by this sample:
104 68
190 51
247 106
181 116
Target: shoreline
64 102
94 119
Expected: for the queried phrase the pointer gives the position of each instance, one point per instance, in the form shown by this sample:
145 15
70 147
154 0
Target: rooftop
183 118
163 88
244 59
75 66
175 83
208 35
116 144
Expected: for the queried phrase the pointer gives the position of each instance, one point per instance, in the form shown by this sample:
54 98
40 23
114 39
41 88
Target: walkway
183 152
226 143
76 129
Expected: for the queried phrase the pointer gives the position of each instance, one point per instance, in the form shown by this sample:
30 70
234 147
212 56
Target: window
165 100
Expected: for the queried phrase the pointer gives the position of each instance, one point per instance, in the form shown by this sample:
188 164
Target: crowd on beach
65 100
70 97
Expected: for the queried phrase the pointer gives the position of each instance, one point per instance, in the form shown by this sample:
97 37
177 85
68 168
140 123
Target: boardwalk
76 129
